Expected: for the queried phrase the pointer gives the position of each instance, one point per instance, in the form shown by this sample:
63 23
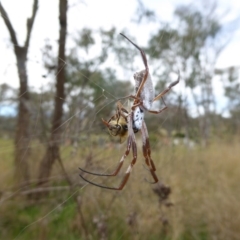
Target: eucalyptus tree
192 44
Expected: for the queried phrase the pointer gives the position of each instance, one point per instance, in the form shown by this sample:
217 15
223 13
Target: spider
143 100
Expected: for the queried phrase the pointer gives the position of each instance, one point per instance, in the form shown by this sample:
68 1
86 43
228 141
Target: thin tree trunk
22 139
52 149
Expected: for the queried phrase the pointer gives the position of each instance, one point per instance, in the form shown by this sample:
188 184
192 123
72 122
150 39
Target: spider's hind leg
131 143
147 153
120 164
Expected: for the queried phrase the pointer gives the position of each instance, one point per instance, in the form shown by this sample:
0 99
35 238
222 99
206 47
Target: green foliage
232 89
85 39
191 45
142 12
162 42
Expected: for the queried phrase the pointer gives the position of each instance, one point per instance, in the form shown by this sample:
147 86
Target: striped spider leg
131 143
143 99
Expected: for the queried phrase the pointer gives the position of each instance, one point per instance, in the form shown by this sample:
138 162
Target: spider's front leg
159 111
160 95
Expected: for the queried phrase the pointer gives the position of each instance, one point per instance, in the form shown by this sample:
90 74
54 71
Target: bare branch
30 22
9 25
10 28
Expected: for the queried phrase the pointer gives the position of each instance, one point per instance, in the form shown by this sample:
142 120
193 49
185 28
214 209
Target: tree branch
9 25
30 22
10 28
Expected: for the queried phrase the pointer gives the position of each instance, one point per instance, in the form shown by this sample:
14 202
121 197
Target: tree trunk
22 140
52 149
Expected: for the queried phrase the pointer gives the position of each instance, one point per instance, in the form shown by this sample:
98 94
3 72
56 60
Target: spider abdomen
138 116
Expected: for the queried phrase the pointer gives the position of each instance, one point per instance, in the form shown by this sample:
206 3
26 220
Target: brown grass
204 190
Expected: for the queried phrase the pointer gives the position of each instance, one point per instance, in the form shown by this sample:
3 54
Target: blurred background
64 65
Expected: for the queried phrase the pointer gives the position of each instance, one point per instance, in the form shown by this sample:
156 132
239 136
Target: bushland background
50 123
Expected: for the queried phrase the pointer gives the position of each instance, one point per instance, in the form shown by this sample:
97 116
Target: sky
93 14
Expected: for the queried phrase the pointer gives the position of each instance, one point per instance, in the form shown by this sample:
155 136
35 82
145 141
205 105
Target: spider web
80 209
86 143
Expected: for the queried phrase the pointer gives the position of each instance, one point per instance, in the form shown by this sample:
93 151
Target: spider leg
142 84
140 50
159 111
162 94
147 152
168 88
144 58
127 174
120 164
130 143
121 109
105 122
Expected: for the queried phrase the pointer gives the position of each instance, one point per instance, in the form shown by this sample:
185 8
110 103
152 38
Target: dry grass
205 194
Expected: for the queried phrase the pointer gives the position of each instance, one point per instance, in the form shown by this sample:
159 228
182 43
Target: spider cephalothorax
143 99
